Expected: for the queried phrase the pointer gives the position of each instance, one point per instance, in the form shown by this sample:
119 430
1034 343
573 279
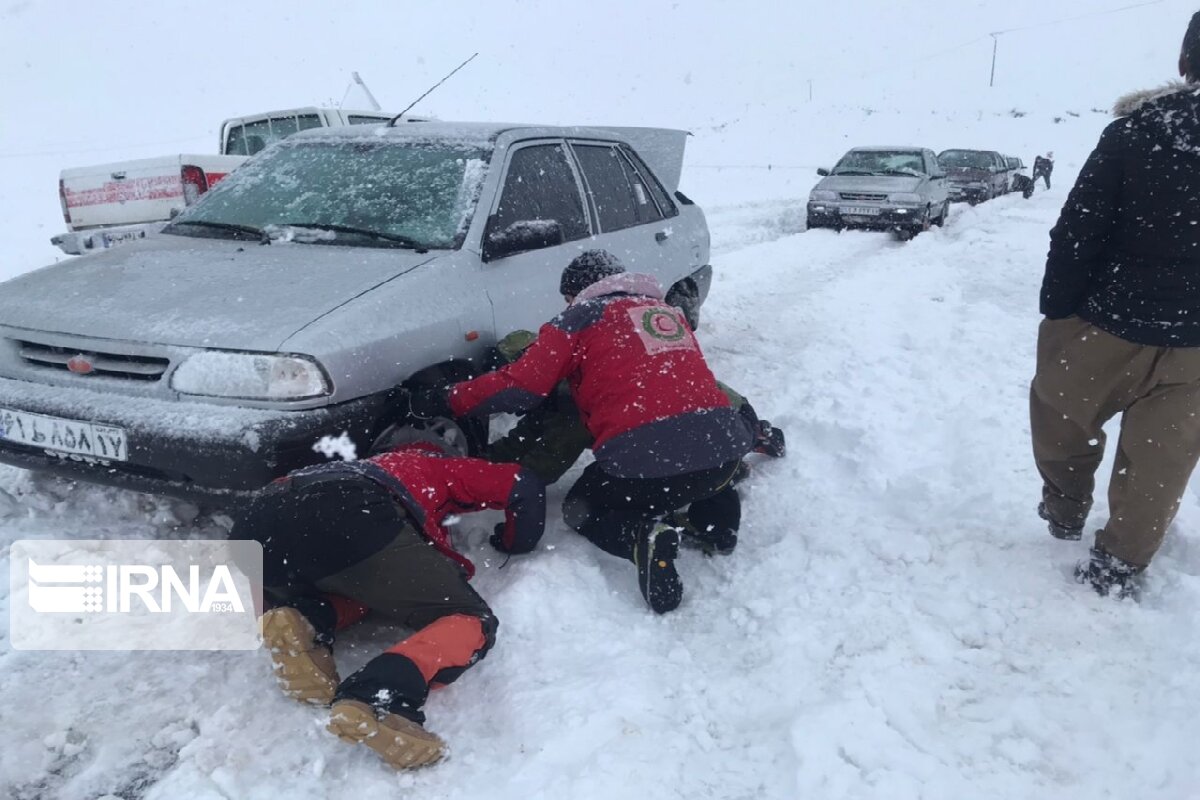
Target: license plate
68 436
114 239
860 211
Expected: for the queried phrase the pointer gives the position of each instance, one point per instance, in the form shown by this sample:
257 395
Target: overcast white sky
85 81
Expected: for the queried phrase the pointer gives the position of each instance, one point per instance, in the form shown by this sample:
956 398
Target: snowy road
895 624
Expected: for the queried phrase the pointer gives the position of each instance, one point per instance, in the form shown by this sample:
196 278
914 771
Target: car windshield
880 162
364 192
965 159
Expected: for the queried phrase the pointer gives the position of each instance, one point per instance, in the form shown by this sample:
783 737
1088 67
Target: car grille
864 198
115 365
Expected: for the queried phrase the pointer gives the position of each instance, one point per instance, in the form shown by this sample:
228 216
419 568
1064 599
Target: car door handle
661 236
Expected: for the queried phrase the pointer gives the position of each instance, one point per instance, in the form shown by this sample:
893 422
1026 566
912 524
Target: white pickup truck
108 204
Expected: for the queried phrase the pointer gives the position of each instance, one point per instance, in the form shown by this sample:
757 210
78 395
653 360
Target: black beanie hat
1191 47
587 268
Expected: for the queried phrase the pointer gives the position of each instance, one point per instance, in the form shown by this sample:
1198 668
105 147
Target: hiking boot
654 554
769 440
714 542
401 742
304 668
1109 575
1057 529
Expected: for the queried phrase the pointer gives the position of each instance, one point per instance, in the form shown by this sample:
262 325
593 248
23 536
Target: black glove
430 403
496 540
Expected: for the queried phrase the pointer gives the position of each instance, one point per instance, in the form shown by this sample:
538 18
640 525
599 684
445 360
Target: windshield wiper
393 238
852 172
906 173
233 227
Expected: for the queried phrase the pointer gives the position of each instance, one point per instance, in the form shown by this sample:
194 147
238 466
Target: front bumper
968 194
830 215
186 449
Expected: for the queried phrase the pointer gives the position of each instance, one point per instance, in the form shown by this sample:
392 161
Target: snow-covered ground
895 623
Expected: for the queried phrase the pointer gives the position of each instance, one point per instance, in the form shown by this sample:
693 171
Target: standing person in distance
1042 167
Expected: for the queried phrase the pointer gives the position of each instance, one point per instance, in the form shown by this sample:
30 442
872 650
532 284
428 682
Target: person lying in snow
665 435
550 438
344 538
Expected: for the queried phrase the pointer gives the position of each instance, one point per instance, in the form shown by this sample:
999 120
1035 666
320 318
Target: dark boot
769 440
654 553
1058 530
1108 575
712 542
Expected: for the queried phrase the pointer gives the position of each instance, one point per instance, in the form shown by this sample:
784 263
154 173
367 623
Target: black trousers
611 512
349 538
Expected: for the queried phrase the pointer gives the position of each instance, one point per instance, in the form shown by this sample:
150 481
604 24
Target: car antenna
392 122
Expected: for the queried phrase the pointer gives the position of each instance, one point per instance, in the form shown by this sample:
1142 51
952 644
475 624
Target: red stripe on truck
213 177
158 187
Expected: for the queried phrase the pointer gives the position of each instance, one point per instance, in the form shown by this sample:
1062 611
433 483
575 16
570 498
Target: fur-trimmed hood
1170 114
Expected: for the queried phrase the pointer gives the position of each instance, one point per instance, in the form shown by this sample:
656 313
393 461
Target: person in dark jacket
344 538
1042 167
1121 334
665 435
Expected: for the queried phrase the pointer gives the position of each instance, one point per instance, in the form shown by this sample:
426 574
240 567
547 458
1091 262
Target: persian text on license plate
64 435
860 211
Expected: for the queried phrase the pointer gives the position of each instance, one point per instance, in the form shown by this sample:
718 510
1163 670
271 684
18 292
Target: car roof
885 148
483 134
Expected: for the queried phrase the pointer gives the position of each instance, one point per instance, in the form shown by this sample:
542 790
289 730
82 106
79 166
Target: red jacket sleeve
518 491
521 385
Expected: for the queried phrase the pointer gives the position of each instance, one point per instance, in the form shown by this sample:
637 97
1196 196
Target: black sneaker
1109 575
1057 529
769 440
654 554
711 542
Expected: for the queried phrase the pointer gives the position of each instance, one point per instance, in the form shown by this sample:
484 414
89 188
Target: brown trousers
1085 377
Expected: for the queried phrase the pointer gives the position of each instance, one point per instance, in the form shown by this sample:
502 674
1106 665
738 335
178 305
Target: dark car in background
975 175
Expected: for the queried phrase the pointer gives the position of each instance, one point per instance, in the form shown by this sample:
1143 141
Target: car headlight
822 196
907 198
250 376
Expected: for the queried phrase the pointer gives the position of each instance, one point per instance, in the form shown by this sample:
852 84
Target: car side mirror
520 237
824 173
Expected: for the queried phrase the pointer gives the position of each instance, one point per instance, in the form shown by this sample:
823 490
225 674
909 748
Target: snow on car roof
481 134
874 148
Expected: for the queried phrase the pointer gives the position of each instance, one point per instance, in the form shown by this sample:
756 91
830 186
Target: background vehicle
108 204
881 188
205 362
1015 166
975 175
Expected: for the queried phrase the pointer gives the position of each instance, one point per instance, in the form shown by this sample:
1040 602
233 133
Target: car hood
198 292
870 184
964 174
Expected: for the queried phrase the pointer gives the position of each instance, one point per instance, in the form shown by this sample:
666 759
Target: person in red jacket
344 538
665 435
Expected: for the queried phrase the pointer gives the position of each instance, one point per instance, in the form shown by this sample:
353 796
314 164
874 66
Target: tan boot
400 742
304 668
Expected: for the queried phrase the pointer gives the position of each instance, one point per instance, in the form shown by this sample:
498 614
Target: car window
248 139
880 162
657 192
932 165
618 193
424 192
965 159
540 185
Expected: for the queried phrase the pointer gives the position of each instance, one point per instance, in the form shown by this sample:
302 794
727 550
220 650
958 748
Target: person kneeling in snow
665 435
343 538
550 438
